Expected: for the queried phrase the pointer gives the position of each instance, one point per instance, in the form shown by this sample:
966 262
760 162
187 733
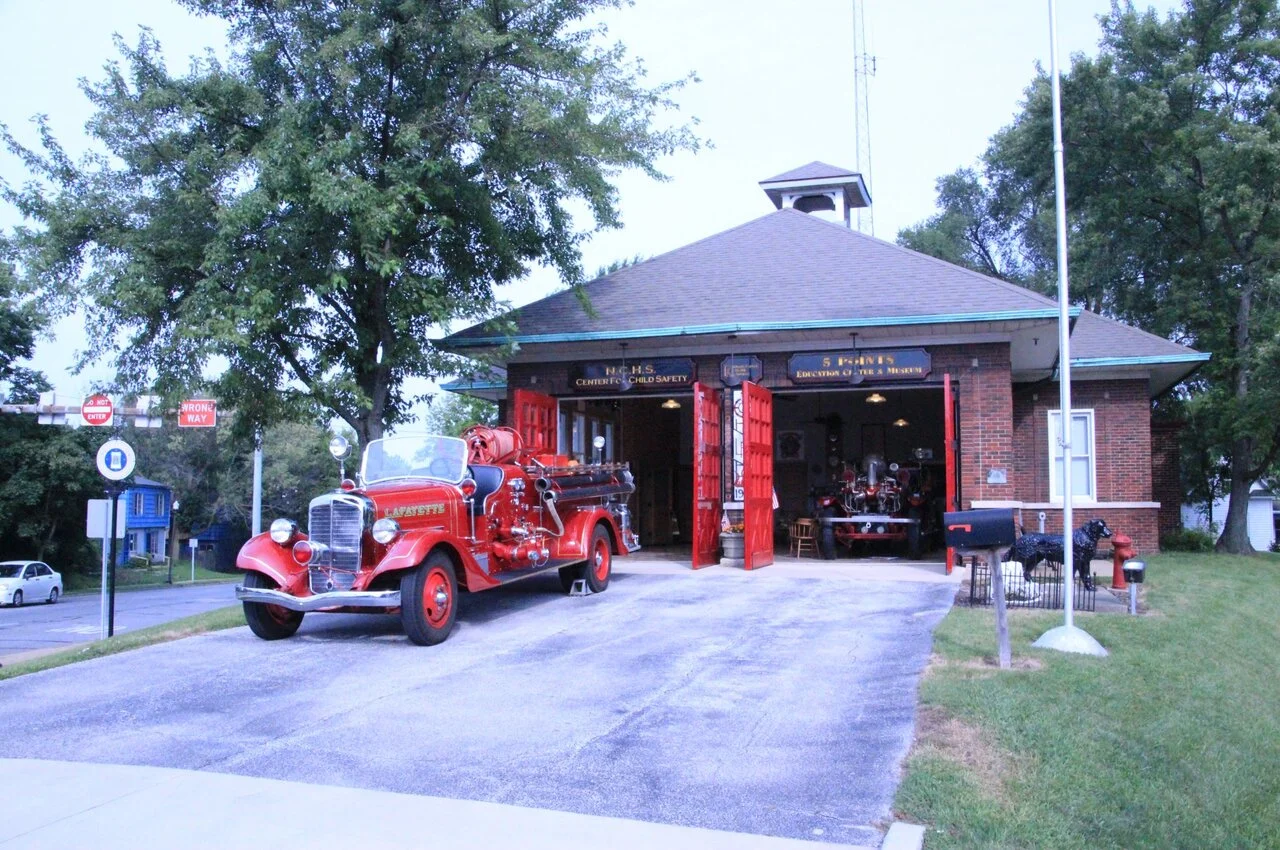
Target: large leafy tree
358 174
452 414
1173 177
19 322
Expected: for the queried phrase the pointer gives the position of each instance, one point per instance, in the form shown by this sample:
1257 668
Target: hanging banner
836 367
740 367
659 374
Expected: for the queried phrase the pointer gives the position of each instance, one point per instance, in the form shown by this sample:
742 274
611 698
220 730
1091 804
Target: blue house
147 516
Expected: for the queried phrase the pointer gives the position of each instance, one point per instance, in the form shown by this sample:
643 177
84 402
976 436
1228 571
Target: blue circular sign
116 460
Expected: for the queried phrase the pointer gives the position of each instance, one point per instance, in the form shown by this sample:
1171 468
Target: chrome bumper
319 601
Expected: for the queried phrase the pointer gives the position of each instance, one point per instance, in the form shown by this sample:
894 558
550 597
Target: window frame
1055 453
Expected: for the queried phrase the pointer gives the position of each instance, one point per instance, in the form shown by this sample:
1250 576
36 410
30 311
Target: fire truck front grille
337 524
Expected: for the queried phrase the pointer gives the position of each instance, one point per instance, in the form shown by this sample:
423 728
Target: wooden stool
802 537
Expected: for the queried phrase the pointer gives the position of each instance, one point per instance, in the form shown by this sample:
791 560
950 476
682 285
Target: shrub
139 562
1187 540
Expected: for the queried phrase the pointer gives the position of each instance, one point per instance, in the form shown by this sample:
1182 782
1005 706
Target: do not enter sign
198 413
97 410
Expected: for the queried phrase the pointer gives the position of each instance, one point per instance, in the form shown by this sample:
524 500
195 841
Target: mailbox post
989 531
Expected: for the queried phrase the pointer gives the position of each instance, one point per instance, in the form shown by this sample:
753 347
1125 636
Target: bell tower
818 186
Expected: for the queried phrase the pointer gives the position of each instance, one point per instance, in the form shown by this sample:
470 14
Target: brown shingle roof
1096 337
785 269
813 171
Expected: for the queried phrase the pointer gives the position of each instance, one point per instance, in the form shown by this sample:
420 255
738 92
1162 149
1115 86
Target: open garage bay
748 702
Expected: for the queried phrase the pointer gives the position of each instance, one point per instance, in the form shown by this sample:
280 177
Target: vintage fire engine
432 516
881 504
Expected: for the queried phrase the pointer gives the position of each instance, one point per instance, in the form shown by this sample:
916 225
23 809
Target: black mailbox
989 528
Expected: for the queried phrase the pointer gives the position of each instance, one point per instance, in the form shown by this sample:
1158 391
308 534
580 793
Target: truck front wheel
269 622
429 600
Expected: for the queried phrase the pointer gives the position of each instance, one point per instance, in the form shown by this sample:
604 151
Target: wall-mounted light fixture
900 423
876 398
671 404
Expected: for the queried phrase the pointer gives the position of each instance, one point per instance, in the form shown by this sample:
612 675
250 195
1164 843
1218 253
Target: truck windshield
415 456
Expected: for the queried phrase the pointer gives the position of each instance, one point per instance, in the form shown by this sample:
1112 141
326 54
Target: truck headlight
283 530
385 530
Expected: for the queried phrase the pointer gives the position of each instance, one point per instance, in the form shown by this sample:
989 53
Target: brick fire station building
779 354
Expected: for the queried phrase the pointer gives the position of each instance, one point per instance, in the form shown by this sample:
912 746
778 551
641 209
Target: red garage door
534 415
757 475
706 476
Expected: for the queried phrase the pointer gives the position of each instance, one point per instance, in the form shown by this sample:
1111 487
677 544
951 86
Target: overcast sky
776 92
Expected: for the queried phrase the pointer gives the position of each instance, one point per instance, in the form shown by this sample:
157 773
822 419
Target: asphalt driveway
77 618
747 702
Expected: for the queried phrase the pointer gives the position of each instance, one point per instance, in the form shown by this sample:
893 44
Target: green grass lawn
211 621
127 577
1173 741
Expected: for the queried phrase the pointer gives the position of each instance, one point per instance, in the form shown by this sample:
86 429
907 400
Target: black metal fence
1043 590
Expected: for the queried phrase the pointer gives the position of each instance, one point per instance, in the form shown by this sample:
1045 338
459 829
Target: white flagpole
1066 637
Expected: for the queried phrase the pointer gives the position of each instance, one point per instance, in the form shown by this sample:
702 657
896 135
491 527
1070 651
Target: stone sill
1057 506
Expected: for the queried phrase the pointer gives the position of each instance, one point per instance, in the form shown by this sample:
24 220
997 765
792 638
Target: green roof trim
740 327
455 386
1146 360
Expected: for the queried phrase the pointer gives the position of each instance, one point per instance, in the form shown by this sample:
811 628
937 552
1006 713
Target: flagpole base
1071 639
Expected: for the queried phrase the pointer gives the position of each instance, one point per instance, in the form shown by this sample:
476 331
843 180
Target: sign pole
115 461
113 492
107 536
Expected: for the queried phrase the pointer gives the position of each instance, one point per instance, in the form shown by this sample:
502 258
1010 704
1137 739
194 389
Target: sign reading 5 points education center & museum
198 413
833 367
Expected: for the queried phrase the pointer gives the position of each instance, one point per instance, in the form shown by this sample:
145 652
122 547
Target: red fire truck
431 516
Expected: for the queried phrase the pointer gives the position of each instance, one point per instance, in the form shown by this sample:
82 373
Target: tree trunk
1235 532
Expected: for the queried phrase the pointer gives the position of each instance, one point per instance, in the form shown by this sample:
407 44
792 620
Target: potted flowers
731 541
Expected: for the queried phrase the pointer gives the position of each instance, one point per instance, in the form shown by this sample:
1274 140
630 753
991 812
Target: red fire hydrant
1121 551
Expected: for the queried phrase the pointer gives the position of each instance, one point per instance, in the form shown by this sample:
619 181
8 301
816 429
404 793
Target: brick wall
982 379
1138 523
1122 438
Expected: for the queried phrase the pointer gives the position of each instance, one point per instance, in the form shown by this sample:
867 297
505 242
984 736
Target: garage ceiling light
876 398
900 423
671 404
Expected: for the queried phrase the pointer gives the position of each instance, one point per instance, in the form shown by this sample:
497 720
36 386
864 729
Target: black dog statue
1031 549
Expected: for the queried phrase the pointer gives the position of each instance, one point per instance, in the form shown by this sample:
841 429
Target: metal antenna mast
864 67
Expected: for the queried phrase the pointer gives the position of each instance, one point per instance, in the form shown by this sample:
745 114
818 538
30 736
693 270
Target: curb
903 836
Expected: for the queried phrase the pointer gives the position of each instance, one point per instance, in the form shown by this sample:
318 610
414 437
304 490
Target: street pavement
77 618
753 703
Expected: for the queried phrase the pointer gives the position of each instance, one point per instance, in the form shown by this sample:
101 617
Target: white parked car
22 581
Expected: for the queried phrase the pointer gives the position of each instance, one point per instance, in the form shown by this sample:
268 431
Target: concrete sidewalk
77 804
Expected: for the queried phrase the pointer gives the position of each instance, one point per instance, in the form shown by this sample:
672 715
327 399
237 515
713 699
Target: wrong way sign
198 413
97 410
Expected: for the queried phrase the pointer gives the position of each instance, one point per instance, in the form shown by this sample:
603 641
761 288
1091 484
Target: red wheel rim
277 613
436 598
602 559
